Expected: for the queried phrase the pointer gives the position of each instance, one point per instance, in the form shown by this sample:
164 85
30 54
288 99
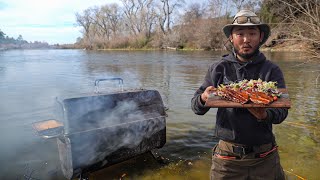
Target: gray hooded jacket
238 125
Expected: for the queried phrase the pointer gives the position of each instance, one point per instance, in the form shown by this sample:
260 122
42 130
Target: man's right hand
205 95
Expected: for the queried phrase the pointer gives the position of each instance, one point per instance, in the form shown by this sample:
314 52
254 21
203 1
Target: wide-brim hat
263 27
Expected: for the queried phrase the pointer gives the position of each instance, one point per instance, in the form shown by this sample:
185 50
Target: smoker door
92 150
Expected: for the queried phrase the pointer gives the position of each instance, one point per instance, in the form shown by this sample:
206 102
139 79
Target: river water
30 80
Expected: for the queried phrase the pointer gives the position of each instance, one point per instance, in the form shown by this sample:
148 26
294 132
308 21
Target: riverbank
288 46
285 46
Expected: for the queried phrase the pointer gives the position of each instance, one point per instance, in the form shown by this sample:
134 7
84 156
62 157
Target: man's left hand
259 113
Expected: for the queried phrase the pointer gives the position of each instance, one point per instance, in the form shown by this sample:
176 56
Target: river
30 80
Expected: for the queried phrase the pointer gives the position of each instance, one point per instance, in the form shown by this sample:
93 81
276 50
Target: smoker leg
156 155
84 176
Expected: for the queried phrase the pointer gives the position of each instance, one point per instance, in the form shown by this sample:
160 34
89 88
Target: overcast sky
44 20
52 21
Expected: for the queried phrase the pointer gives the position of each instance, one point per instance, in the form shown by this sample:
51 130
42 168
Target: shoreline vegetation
284 47
175 25
297 47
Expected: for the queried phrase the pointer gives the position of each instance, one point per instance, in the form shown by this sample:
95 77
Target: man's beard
247 56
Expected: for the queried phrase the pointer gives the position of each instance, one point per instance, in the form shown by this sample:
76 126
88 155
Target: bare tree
85 21
167 8
114 17
198 30
194 12
215 8
108 19
238 4
139 15
131 13
100 20
304 18
148 17
191 21
252 5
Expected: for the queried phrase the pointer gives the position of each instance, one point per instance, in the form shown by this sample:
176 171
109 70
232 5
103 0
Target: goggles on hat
245 19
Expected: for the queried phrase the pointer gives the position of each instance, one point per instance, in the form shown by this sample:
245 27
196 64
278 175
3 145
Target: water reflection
31 79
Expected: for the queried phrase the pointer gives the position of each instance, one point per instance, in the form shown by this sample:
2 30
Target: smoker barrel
103 129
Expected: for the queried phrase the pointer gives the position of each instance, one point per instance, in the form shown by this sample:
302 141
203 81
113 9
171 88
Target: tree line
7 42
175 24
157 24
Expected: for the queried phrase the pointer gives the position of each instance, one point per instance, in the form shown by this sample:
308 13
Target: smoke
99 126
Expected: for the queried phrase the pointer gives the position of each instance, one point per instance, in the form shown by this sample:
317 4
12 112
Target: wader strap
259 155
262 155
237 151
225 156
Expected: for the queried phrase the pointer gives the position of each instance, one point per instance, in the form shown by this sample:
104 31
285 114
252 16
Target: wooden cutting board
282 102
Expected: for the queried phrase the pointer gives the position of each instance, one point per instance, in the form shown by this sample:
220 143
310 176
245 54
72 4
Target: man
247 147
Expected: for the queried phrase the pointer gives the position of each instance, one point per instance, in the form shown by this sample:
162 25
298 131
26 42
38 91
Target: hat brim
263 27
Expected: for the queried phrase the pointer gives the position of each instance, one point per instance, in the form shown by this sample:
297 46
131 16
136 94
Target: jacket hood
259 58
245 70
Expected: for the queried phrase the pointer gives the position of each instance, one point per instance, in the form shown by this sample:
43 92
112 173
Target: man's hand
206 93
259 113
